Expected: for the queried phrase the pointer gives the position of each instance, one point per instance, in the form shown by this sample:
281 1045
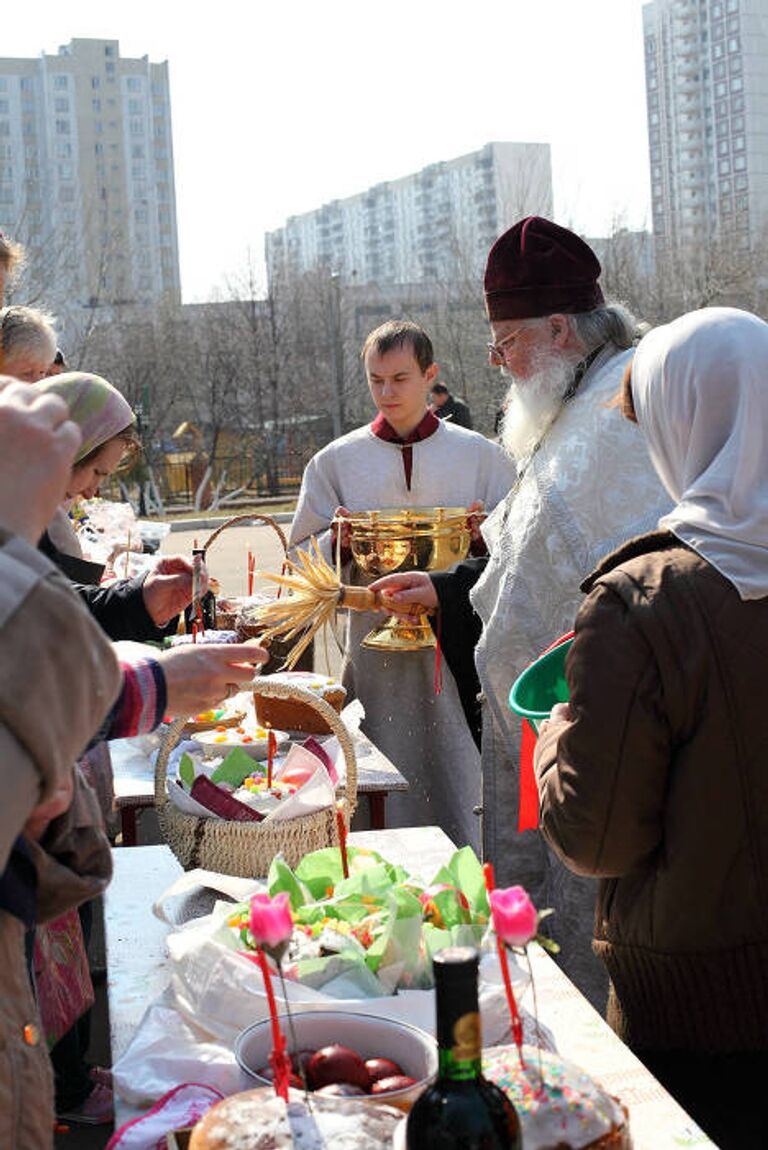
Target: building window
724 167
135 107
737 84
717 51
733 44
109 68
62 128
25 83
109 49
65 171
719 70
5 128
67 194
3 84
95 82
738 144
740 164
64 151
4 108
740 183
720 90
61 104
60 83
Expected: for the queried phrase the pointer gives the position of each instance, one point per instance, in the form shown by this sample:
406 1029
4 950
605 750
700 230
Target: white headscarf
700 390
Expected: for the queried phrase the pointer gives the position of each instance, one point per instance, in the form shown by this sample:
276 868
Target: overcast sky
279 107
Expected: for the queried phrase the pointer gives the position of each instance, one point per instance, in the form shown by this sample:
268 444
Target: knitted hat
538 268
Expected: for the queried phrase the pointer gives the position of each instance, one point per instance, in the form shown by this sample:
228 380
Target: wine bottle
460 1110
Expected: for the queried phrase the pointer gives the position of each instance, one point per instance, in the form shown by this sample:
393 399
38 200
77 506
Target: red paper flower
515 918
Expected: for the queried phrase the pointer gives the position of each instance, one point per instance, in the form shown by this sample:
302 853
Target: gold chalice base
407 539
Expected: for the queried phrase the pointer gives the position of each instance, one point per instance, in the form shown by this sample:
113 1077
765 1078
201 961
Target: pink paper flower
271 921
514 916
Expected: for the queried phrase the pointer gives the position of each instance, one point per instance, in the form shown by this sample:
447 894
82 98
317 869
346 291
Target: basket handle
266 689
270 522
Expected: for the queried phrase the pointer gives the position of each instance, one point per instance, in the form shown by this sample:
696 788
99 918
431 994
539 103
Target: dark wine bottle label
466 1037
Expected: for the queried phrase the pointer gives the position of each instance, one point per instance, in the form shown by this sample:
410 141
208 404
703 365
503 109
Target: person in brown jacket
654 776
53 853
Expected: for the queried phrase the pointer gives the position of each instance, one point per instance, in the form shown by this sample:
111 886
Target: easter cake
257 1118
293 714
558 1104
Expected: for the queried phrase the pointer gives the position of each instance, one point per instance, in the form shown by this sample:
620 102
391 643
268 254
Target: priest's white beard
531 404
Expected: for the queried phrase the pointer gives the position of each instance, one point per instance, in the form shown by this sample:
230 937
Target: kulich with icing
293 715
257 1118
570 1112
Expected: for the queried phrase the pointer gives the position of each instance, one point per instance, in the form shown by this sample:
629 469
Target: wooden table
138 972
134 778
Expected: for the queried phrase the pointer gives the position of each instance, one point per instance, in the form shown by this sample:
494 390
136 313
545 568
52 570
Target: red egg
267 1072
341 1090
395 1082
300 1060
334 1064
381 1068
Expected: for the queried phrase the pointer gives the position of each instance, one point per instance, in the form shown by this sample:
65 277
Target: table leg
376 809
128 825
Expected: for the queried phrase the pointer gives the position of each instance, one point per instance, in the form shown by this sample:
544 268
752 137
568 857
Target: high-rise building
438 222
706 67
86 174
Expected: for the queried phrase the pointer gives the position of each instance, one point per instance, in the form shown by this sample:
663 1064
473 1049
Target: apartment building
435 223
706 65
86 174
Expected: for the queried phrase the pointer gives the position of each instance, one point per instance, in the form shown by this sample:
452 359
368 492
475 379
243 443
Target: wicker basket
279 649
247 848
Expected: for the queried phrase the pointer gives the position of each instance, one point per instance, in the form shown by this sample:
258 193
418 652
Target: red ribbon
278 1059
517 1025
439 655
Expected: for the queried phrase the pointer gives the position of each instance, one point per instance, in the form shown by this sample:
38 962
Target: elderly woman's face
90 474
26 366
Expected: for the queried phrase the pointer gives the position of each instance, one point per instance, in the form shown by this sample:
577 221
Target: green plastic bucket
541 685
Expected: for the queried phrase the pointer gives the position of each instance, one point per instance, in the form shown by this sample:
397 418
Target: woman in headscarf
142 608
654 776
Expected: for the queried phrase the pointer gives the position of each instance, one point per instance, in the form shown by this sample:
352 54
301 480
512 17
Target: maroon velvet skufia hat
538 268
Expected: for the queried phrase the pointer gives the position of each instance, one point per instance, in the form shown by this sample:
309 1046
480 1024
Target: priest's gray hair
612 322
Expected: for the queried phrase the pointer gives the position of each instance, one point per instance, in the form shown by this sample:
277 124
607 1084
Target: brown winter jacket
58 679
660 787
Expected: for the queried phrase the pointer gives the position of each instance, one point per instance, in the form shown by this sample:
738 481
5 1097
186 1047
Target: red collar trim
427 426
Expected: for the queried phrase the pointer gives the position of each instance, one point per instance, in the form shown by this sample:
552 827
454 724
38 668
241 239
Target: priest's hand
560 713
475 516
406 593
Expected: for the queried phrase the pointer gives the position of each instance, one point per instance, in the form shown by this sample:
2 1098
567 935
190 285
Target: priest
584 484
406 458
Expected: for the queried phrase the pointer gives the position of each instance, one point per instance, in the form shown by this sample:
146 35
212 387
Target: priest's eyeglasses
498 350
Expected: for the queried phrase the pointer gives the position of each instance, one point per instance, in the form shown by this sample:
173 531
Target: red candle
342 841
517 1025
194 632
271 748
251 570
278 1059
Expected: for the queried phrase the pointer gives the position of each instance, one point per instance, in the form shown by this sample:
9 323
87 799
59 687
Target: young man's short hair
398 333
438 389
